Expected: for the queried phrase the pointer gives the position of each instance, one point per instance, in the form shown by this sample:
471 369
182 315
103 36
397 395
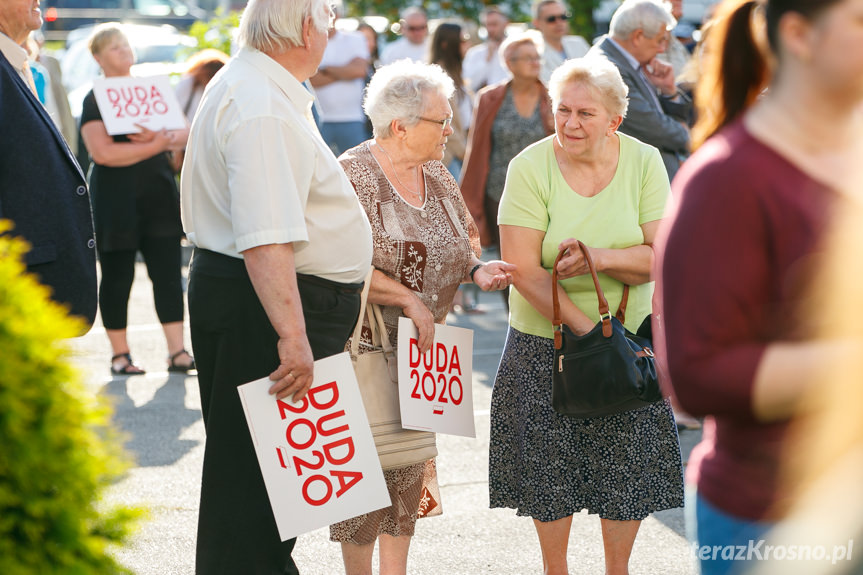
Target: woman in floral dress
425 245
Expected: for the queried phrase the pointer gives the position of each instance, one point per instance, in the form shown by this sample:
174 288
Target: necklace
417 194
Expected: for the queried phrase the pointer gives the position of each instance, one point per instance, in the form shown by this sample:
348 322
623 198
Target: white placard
435 391
317 456
149 102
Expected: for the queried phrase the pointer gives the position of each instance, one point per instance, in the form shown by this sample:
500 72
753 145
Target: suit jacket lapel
626 69
40 110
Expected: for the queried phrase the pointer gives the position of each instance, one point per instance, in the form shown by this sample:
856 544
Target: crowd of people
419 159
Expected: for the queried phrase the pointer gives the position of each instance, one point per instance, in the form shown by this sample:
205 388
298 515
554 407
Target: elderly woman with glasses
508 117
425 245
590 183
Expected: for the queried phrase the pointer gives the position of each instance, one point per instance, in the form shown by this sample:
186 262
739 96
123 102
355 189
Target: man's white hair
650 16
276 25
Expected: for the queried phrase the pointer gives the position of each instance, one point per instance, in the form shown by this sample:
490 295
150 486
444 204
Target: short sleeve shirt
342 101
536 196
257 172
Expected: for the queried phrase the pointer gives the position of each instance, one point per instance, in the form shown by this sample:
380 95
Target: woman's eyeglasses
442 123
555 18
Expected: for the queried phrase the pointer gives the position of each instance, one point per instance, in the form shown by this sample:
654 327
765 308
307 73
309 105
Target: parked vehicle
62 16
693 12
158 50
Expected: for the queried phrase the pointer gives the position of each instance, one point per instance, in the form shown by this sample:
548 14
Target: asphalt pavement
160 415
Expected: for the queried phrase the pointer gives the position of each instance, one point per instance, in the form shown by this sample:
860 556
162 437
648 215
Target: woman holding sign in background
590 183
425 245
135 208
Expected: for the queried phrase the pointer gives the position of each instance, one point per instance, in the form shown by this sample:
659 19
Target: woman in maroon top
740 247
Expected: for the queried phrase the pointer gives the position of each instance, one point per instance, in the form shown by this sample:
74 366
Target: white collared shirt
16 55
573 47
257 172
480 71
404 48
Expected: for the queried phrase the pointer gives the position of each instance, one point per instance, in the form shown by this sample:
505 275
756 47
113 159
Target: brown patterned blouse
428 250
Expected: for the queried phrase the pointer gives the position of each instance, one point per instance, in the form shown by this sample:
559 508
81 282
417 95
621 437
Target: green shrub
216 33
58 451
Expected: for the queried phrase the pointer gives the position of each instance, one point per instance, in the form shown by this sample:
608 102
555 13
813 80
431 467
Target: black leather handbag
609 369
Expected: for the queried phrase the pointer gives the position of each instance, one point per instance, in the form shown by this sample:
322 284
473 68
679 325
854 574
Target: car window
104 4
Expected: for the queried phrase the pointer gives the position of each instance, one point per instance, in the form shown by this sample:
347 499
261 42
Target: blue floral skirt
548 466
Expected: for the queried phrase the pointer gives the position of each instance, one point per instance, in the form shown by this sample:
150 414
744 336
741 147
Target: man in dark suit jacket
658 112
42 189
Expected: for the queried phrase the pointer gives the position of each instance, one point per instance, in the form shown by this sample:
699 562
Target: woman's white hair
276 25
516 41
651 16
399 91
597 73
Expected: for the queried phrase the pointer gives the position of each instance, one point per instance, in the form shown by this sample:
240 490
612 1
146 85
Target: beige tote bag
377 374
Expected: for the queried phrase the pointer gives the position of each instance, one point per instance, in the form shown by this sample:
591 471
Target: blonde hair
516 41
102 35
597 73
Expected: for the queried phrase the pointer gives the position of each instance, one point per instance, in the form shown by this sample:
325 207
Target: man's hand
661 75
271 269
296 369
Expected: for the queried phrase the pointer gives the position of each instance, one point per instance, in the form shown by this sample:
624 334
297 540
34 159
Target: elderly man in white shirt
281 250
413 43
482 64
551 19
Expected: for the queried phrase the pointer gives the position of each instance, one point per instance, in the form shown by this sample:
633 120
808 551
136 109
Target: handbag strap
604 314
358 329
376 322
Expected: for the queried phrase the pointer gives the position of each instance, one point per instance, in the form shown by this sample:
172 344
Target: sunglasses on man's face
416 28
555 18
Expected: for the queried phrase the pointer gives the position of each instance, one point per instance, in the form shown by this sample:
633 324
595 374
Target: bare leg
357 558
617 540
119 345
553 540
174 338
394 554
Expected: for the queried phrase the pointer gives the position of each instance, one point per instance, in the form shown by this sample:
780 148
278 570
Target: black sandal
177 367
129 369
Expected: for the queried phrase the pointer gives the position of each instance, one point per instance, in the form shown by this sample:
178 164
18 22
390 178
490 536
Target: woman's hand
423 320
494 275
573 263
162 139
145 136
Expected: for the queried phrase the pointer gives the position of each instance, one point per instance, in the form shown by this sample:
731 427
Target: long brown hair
738 63
446 51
